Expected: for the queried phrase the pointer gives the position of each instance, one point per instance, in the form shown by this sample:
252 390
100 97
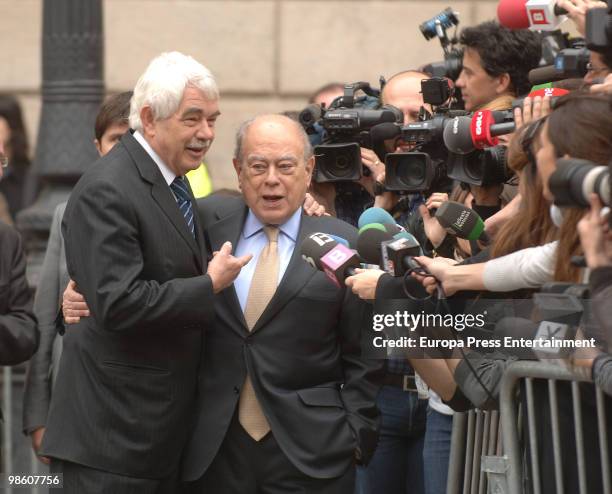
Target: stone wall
267 55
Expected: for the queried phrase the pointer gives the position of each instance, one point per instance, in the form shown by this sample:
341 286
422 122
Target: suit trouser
79 479
246 466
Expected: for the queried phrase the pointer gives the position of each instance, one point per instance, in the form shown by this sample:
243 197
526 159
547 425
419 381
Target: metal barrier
490 442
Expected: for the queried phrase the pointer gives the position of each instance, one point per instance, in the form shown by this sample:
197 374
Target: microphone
369 240
461 221
537 15
397 255
375 215
464 134
384 131
335 259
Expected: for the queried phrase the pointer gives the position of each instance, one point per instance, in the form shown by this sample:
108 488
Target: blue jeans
436 451
397 464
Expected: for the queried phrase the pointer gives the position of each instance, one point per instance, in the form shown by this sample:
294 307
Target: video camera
343 128
430 161
599 29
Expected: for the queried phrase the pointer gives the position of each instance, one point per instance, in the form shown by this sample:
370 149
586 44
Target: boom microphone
461 221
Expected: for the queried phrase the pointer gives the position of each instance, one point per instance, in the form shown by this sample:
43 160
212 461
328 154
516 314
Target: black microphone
459 134
369 240
337 262
316 246
461 221
384 131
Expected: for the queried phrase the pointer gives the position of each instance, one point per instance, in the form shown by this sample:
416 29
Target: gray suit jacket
43 366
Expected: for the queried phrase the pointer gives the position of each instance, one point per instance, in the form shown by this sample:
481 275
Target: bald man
287 401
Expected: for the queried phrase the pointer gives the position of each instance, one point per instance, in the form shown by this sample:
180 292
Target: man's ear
504 84
98 147
148 120
238 169
309 169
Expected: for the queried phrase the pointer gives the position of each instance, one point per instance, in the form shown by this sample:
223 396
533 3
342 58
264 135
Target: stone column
72 90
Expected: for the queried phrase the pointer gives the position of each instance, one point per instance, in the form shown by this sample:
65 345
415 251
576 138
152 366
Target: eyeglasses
596 70
4 161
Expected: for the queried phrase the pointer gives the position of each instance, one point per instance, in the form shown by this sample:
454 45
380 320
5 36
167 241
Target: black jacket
125 393
304 357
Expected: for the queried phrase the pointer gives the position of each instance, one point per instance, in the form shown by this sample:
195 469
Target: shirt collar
291 227
168 174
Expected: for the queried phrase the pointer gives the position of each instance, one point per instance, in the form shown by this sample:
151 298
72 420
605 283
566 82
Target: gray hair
244 127
163 83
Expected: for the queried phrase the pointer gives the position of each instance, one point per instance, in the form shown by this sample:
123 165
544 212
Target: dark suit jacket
18 331
125 392
303 356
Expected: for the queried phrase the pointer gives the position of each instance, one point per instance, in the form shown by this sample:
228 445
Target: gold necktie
261 291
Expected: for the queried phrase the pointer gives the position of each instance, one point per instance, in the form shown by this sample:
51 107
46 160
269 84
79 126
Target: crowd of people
196 351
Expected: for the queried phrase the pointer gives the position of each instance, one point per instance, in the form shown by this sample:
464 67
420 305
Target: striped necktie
183 199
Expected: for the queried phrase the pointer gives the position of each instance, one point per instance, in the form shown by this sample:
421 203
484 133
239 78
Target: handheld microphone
537 15
397 255
375 215
461 221
464 134
369 240
325 254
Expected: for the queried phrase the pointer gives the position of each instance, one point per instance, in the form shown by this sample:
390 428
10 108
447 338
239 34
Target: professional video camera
453 57
417 170
569 63
343 128
438 154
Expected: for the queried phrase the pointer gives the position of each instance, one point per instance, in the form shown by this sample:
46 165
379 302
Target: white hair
163 83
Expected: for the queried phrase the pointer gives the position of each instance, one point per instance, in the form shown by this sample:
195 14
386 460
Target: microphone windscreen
384 131
340 240
460 220
513 14
368 244
457 135
375 215
316 246
553 92
542 75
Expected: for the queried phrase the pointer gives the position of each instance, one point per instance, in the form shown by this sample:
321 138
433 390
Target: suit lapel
229 228
296 276
161 192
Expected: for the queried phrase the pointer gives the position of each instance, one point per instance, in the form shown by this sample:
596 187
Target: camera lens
575 180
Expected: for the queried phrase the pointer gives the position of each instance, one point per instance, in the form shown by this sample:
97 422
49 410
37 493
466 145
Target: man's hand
73 304
595 236
370 160
533 109
224 267
439 268
605 87
312 207
433 229
37 436
364 282
576 11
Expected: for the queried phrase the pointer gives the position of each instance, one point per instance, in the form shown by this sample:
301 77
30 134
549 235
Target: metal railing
498 443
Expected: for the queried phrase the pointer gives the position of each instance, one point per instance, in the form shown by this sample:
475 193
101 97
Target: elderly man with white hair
124 399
